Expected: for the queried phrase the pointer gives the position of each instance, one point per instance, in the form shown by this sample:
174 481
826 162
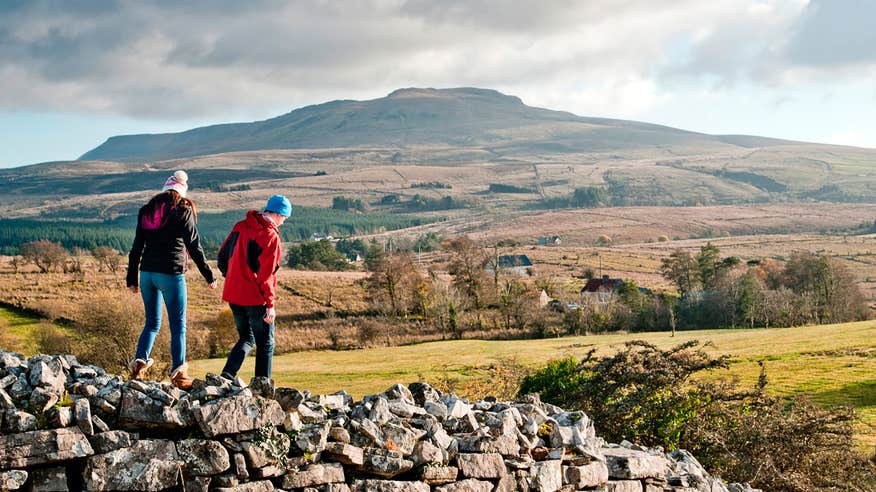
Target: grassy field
831 364
18 331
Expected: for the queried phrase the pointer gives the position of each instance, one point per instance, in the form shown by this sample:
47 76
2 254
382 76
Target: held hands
270 315
133 288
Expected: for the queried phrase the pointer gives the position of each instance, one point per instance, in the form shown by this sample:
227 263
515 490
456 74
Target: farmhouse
599 292
515 264
549 241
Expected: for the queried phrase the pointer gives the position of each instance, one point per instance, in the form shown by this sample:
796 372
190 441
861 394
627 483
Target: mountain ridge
408 117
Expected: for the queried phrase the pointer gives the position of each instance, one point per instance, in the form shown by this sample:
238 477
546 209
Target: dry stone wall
70 426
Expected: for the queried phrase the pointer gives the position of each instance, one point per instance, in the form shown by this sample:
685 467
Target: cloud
231 59
835 33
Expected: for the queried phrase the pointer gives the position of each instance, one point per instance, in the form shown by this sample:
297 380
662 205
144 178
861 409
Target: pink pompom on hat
177 182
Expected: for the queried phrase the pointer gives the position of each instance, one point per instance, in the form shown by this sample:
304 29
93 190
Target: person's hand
270 315
133 288
213 284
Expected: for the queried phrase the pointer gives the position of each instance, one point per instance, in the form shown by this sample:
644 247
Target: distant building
549 241
599 292
515 264
319 236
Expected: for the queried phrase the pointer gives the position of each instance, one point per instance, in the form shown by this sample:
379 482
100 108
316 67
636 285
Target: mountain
461 118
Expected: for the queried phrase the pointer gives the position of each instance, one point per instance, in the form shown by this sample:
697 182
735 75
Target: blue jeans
252 331
155 287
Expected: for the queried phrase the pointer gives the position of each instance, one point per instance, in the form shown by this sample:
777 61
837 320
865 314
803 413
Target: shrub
649 396
223 334
317 255
108 325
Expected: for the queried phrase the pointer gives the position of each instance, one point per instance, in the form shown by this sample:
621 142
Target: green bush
317 255
651 397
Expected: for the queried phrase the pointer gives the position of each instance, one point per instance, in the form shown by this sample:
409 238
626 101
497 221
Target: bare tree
46 255
107 258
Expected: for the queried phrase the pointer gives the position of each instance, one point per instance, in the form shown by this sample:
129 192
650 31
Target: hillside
475 157
465 118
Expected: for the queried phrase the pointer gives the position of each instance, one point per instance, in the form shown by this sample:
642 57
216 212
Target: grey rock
372 485
288 398
49 480
312 438
147 465
162 396
312 475
385 463
106 406
138 411
105 442
438 410
626 463
39 447
7 381
426 452
399 392
546 476
83 416
422 393
238 414
61 417
592 474
99 424
16 421
201 457
506 445
225 482
20 389
12 479
270 471
6 402
197 484
623 486
47 372
42 399
456 408
480 465
380 413
337 401
468 485
339 434
84 372
260 486
239 466
404 409
344 453
438 474
399 438
292 422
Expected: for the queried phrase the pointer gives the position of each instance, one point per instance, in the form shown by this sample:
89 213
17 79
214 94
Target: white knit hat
178 182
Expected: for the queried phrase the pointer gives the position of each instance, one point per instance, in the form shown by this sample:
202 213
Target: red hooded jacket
249 259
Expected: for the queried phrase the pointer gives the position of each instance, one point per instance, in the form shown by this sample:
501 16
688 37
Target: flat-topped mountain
463 117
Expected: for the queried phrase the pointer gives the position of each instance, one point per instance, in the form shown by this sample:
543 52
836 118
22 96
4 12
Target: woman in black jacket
166 235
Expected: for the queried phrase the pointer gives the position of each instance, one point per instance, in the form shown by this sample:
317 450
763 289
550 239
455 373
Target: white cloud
224 58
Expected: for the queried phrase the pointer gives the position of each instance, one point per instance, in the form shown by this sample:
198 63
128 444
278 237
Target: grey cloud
171 59
835 32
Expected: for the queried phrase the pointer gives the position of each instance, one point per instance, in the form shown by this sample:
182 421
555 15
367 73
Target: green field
18 331
831 364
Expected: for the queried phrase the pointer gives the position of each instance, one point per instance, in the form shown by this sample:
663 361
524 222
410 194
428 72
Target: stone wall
70 426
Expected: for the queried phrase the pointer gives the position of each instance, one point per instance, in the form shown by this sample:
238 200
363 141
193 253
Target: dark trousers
252 331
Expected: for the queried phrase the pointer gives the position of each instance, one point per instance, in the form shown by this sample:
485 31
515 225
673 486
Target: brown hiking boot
180 377
139 367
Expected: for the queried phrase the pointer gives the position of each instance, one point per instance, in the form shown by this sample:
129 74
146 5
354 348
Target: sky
74 73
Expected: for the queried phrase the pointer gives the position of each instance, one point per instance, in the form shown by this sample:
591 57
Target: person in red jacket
249 259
